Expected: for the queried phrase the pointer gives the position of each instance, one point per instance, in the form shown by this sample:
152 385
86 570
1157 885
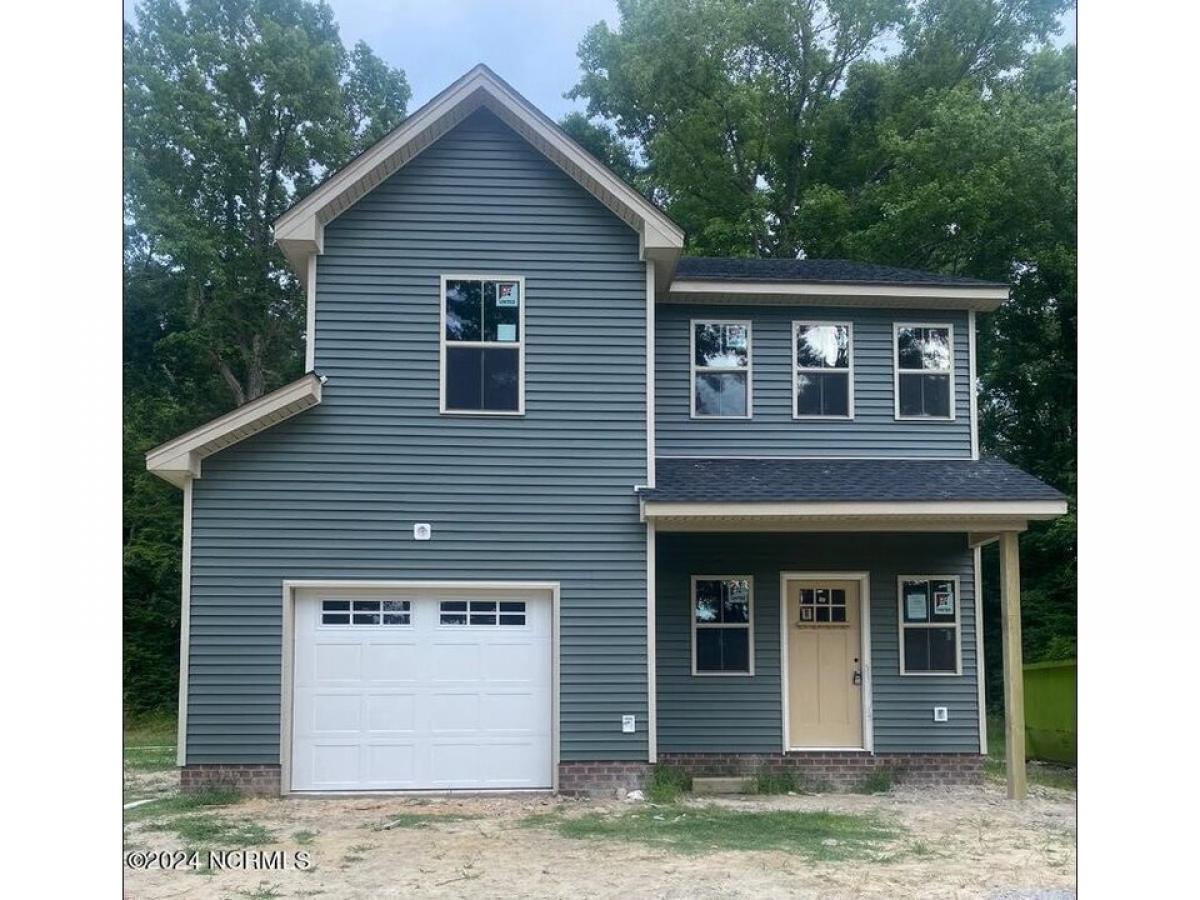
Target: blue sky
530 43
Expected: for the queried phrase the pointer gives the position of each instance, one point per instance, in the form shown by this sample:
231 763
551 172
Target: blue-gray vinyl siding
874 430
333 493
736 714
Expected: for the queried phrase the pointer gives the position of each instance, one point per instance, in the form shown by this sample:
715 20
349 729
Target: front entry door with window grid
824 678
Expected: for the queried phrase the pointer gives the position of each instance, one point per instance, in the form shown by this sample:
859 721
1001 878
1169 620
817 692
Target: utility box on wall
1050 711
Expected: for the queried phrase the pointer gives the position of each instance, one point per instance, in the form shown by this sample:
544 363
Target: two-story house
554 502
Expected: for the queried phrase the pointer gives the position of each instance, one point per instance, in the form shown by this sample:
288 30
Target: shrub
880 781
666 783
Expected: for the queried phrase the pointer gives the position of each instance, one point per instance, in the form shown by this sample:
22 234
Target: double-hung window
483 344
721 370
924 371
822 383
929 625
722 625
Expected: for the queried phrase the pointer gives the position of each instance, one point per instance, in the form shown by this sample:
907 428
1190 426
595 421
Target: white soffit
179 459
300 231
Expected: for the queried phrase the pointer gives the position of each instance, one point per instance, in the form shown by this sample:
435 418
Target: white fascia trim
185 625
179 459
1009 509
983 299
300 228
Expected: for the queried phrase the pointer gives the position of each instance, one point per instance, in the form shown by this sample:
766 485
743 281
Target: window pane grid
929 624
722 625
482 612
483 352
720 365
366 612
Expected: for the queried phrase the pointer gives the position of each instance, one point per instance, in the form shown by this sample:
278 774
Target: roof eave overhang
936 516
984 298
300 231
179 459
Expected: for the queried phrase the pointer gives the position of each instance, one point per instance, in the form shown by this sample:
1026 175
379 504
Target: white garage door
399 692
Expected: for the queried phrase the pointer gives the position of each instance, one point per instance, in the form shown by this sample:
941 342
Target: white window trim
896 370
693 369
957 624
518 345
749 579
849 370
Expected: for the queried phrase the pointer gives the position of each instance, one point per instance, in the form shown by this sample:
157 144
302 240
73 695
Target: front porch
830 638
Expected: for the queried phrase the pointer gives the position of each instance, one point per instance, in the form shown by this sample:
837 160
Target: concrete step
723 784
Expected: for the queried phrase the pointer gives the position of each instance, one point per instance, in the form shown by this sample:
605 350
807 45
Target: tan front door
824 678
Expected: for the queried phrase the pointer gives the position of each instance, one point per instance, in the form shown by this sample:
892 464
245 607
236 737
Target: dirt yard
947 843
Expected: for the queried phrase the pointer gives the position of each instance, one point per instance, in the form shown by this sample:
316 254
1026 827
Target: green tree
232 110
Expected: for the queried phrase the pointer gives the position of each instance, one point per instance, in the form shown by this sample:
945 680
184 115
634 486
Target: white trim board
651 644
727 291
300 230
1008 509
458 589
864 623
977 558
179 458
185 625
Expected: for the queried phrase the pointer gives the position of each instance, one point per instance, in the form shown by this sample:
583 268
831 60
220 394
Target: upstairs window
721 370
924 372
822 386
483 345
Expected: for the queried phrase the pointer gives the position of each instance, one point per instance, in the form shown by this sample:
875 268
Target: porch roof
857 494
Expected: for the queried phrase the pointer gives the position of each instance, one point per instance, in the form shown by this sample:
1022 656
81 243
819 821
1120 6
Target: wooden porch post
1014 682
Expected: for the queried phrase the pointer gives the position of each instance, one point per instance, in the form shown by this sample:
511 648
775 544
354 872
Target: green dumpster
1050 711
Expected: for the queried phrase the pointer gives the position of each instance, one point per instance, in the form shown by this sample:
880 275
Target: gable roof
179 458
300 231
816 271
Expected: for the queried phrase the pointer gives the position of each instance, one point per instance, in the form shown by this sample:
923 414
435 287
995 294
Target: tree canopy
232 109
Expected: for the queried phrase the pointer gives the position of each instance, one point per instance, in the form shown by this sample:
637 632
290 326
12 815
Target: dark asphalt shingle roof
715 480
817 271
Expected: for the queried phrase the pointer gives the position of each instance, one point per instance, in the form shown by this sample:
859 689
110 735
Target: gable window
929 625
721 370
924 371
822 384
483 345
722 625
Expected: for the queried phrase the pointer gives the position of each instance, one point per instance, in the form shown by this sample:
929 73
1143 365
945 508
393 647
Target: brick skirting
837 770
601 778
247 778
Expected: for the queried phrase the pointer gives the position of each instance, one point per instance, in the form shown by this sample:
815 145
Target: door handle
857 677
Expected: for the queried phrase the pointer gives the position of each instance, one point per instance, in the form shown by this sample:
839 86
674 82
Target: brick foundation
246 778
601 778
836 770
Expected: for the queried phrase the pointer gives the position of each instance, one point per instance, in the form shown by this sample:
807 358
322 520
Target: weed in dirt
879 781
149 759
417 820
213 831
304 837
182 803
776 783
263 891
667 784
815 835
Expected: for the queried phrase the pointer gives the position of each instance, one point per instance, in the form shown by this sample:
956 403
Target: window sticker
507 294
806 613
918 610
506 331
943 603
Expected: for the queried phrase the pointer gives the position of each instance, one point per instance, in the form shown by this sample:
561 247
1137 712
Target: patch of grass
813 835
667 784
150 730
149 759
879 781
416 820
182 803
776 783
263 891
304 837
213 831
